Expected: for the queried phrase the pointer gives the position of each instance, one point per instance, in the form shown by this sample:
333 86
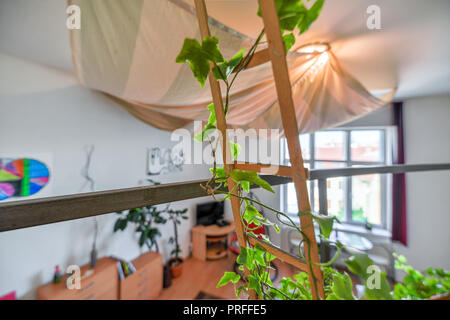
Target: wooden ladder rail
276 53
202 17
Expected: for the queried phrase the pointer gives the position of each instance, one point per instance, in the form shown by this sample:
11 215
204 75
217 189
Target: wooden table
211 242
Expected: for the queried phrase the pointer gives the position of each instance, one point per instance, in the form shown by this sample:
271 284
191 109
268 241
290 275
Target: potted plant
146 220
176 262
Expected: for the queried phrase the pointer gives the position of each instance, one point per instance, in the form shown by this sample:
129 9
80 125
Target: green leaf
199 56
143 237
207 131
311 15
239 291
253 283
289 41
325 224
245 185
252 177
242 257
358 264
270 257
381 293
276 227
212 117
235 149
250 213
290 12
223 71
120 224
343 287
227 278
293 13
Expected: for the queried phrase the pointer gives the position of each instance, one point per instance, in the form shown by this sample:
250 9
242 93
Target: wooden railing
30 213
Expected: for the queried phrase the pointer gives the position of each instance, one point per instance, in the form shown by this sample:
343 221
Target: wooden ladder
276 53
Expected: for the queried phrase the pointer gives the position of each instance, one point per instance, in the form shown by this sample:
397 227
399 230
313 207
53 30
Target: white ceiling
411 51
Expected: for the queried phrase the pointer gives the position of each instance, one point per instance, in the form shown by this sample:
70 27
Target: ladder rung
282 255
258 58
281 171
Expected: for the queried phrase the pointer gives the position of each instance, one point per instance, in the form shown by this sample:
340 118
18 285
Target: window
357 199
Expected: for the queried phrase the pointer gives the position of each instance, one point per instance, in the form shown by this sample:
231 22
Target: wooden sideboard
103 283
147 282
211 242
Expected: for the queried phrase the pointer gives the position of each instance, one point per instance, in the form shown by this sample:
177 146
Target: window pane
366 199
329 145
304 144
366 145
291 196
335 191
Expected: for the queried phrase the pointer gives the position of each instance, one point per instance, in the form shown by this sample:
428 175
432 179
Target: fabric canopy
127 50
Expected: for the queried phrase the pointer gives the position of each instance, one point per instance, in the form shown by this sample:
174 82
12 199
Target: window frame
385 180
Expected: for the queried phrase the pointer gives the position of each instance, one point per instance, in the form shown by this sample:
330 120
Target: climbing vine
204 58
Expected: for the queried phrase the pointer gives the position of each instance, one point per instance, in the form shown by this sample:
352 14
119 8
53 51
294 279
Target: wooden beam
277 54
31 213
282 255
316 174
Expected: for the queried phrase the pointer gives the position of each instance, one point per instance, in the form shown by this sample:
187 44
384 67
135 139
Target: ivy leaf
199 56
245 185
251 177
210 126
212 116
311 15
253 283
270 257
293 13
289 13
259 257
250 213
220 172
235 149
289 40
223 71
242 257
239 291
227 278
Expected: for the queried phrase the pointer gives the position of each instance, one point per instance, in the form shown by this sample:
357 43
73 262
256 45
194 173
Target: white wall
427 134
43 110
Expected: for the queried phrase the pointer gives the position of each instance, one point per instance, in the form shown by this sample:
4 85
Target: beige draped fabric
127 50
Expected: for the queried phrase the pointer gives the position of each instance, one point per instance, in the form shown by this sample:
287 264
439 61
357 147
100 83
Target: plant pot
176 267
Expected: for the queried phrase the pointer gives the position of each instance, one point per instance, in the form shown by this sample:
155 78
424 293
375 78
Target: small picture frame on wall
164 160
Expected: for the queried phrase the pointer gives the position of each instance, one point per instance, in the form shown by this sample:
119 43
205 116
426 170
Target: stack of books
125 268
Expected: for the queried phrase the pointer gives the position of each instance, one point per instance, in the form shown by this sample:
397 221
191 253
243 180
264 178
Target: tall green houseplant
146 220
